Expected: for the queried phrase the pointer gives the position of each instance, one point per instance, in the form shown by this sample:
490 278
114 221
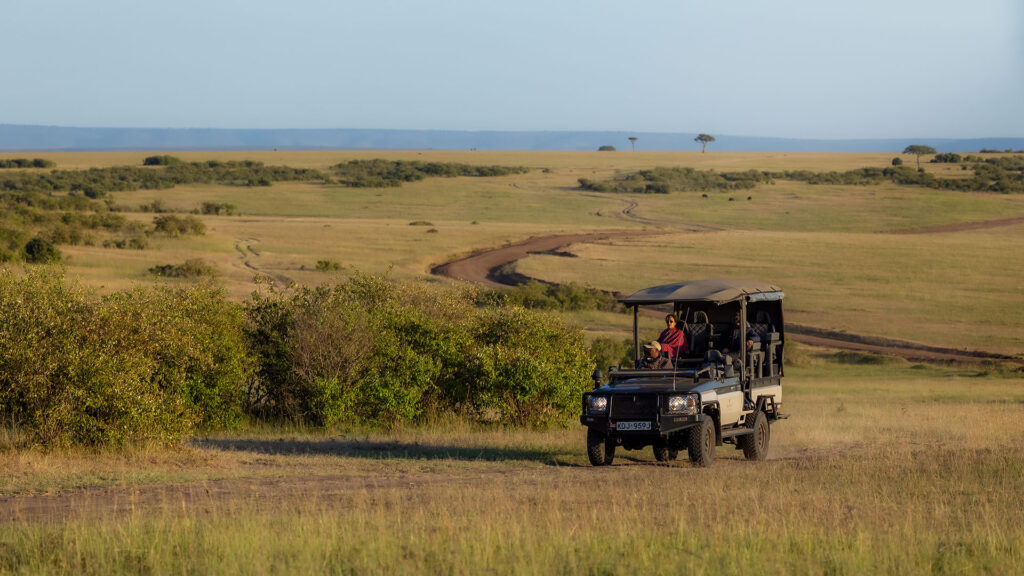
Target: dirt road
484 267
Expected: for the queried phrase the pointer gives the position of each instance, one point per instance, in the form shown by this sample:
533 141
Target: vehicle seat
698 334
765 330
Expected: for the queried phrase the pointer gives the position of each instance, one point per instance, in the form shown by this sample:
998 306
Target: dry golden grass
883 468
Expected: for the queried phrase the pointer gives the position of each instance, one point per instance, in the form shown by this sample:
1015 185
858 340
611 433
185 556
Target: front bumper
661 424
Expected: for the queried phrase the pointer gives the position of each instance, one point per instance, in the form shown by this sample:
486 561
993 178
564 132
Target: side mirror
597 377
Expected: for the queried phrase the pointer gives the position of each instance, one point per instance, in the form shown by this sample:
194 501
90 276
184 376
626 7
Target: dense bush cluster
26 163
96 182
155 363
57 219
375 351
191 268
665 180
146 364
174 225
391 173
569 297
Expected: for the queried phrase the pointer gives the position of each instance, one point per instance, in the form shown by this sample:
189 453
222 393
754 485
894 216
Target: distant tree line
26 163
1004 174
392 173
665 180
96 182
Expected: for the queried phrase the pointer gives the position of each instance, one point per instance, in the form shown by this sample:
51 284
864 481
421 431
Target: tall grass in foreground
883 469
942 512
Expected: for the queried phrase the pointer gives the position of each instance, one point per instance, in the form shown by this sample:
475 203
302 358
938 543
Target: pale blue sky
785 68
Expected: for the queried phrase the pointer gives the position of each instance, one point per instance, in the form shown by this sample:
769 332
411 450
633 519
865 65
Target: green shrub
191 268
217 208
374 351
41 251
173 225
897 161
606 351
570 297
162 160
327 266
606 148
148 364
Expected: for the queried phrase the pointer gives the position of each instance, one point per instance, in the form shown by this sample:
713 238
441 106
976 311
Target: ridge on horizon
27 138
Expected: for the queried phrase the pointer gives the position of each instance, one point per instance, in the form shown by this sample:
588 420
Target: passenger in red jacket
672 339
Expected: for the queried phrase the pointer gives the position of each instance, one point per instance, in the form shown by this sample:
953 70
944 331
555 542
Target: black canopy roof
717 291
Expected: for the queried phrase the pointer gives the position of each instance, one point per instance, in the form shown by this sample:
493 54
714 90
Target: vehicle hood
647 384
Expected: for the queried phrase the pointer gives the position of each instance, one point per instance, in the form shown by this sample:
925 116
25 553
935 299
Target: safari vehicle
706 398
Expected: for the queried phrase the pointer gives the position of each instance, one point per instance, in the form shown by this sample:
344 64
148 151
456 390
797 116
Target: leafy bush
147 364
217 208
606 148
191 268
327 265
947 158
373 351
162 160
40 251
606 351
177 225
897 161
569 297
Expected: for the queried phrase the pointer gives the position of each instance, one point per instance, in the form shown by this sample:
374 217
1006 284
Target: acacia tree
918 150
704 139
632 140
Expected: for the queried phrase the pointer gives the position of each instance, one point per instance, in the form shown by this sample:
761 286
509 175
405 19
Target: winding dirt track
484 267
964 226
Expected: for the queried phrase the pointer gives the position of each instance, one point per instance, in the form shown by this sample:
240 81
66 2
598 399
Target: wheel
600 451
755 444
662 453
701 445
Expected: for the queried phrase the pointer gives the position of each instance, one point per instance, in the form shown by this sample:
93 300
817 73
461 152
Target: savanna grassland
885 466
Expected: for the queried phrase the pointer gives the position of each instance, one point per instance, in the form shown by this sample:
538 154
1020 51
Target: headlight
683 403
597 404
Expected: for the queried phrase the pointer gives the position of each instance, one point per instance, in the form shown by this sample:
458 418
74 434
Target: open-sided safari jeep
705 398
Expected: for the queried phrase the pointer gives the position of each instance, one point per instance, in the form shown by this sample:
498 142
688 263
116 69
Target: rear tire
600 450
755 444
701 445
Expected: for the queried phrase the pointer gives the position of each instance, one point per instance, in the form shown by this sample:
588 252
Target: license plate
633 426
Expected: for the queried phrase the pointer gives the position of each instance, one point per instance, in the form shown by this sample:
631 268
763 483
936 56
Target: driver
653 358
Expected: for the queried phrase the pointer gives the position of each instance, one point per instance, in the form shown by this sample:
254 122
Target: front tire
600 449
701 445
755 444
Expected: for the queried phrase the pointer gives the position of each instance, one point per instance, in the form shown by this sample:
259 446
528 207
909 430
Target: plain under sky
784 68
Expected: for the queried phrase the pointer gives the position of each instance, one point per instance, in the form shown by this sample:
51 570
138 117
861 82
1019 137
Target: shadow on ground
389 450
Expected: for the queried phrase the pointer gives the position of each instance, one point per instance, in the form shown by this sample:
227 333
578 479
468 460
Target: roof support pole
744 373
636 335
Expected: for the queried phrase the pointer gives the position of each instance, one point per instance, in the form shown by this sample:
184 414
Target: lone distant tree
704 139
606 148
632 141
918 150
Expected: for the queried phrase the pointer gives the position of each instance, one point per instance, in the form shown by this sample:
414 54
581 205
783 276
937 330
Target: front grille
634 405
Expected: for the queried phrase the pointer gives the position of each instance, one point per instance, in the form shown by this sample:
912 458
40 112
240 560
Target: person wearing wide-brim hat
653 358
